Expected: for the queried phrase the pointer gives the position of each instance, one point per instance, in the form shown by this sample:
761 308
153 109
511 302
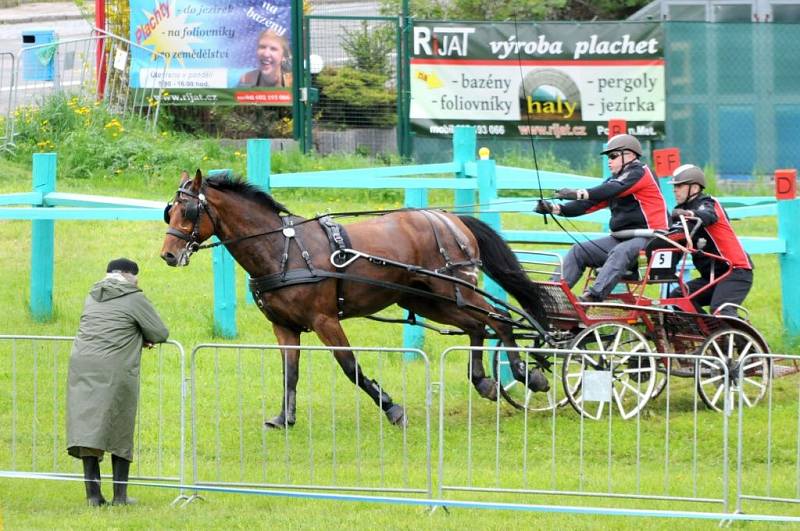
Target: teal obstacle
477 187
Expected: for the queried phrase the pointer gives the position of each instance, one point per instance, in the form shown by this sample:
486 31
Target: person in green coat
103 384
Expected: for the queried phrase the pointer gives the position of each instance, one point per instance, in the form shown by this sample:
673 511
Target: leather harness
342 255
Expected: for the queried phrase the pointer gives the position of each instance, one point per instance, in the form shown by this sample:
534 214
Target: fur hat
124 265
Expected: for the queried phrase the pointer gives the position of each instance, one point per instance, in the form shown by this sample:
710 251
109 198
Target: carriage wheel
661 375
731 346
633 377
515 392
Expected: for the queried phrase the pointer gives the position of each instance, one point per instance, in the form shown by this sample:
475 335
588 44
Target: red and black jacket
633 197
719 236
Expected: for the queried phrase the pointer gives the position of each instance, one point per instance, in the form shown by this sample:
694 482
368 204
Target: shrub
356 98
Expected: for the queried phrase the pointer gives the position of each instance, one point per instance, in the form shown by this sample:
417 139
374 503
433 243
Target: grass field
486 444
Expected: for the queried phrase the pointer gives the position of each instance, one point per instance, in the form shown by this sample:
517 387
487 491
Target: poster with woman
233 53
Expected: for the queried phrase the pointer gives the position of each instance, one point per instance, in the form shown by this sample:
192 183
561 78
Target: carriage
310 274
650 312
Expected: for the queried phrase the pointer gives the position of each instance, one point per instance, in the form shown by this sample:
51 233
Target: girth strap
267 283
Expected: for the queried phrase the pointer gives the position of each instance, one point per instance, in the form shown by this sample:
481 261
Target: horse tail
501 264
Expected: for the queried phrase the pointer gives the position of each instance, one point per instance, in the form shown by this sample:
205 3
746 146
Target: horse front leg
290 358
330 332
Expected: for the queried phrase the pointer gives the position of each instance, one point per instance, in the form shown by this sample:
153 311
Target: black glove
543 207
678 212
567 193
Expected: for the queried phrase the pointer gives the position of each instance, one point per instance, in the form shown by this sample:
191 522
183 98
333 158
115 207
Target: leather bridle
194 204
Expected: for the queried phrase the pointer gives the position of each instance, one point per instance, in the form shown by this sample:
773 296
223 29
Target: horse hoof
278 423
397 416
537 381
487 388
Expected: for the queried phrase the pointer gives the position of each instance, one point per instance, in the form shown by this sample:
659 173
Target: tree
523 10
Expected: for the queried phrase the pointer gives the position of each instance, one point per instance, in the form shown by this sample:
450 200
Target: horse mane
248 191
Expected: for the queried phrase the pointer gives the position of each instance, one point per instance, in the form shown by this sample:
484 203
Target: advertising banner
550 80
236 52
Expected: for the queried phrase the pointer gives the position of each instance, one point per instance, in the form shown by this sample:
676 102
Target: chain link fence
353 66
732 100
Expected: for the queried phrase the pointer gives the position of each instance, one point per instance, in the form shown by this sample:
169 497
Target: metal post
298 113
405 81
464 145
42 240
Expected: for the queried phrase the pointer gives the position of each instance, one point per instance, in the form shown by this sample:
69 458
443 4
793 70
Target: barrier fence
236 388
7 69
34 371
646 442
671 449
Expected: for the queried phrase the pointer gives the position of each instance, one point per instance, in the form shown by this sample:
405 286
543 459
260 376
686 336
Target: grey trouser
733 289
613 256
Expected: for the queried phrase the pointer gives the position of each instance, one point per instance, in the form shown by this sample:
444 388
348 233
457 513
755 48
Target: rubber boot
121 469
91 476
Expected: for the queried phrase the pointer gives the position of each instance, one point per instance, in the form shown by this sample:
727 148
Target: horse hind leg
486 387
534 378
475 329
330 332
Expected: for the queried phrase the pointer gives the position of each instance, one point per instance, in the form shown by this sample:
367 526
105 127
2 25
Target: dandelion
237 154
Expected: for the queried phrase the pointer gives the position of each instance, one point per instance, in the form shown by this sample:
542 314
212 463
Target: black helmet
688 174
623 142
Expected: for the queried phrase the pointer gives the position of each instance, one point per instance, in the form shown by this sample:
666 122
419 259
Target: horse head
188 226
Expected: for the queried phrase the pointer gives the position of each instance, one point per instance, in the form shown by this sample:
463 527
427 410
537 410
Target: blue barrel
38 63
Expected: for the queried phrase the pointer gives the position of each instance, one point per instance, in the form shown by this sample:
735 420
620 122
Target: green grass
235 393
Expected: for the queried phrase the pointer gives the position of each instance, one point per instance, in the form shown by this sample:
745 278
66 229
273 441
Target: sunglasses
614 155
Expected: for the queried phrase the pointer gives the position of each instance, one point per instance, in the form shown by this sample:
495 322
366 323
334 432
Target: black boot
121 468
91 476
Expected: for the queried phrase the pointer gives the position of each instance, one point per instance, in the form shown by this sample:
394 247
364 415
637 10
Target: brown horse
305 277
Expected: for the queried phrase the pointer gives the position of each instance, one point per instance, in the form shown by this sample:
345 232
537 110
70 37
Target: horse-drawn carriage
651 312
309 274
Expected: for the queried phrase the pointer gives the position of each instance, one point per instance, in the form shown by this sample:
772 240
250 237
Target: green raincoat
103 384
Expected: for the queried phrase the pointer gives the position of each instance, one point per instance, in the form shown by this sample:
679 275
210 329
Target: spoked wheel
515 392
630 372
731 346
661 379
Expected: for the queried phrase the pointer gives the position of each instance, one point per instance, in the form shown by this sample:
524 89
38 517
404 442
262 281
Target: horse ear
184 176
198 180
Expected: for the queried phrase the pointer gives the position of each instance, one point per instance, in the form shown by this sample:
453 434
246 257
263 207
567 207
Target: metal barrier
88 67
33 370
234 389
668 449
7 69
768 437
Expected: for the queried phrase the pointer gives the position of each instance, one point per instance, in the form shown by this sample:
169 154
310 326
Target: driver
634 198
715 236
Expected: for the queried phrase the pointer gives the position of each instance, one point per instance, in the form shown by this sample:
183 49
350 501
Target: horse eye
166 212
